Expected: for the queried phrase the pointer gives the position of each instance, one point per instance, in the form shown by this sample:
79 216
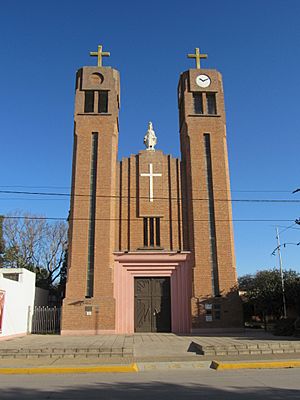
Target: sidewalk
144 351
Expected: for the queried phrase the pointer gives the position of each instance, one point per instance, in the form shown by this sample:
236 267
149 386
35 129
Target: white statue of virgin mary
150 138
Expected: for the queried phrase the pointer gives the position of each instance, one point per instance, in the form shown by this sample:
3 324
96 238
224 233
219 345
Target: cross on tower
100 54
197 56
151 176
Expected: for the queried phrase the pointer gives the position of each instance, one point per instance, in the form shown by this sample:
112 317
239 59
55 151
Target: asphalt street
193 384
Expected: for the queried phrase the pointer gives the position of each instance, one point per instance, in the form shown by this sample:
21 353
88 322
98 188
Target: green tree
292 289
263 292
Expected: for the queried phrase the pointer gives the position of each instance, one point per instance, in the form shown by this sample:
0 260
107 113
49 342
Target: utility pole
281 274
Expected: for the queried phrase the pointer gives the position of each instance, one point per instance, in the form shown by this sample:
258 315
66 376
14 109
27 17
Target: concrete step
248 348
66 352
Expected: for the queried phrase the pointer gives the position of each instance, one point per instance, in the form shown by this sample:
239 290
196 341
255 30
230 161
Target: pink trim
136 264
89 332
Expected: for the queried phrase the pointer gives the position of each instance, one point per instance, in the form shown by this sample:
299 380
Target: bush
284 327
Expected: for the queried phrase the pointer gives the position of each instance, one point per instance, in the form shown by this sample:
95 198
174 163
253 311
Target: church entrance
152 304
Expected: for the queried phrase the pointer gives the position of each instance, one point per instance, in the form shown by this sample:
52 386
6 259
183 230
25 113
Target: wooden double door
152 304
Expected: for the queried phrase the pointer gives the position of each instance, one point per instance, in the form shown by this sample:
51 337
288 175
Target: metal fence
46 319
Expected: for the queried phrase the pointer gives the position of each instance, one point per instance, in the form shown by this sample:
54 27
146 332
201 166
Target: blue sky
255 44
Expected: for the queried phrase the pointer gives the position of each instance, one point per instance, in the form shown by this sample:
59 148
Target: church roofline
141 152
200 70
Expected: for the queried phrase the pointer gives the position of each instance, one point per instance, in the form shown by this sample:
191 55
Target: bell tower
208 231
89 303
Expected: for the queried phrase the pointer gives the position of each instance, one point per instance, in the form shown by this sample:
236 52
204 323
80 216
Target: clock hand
203 80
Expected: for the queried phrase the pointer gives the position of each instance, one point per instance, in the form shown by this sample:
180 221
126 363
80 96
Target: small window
157 231
145 232
198 103
103 102
181 111
89 101
151 232
211 103
12 277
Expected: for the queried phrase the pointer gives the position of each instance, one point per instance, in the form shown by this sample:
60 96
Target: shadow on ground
194 348
152 390
245 335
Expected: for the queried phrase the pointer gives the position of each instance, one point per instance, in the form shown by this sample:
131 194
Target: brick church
151 240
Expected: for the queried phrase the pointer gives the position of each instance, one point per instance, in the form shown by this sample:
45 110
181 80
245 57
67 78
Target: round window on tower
96 78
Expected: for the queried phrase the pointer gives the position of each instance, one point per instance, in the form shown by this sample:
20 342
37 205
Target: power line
146 197
296 229
286 228
34 187
283 245
30 199
200 190
133 219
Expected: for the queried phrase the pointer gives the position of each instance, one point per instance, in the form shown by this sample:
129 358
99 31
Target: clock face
203 81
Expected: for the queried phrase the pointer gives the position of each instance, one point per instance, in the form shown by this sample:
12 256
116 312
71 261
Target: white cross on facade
151 176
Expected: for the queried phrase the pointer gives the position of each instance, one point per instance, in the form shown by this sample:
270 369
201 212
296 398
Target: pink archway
150 263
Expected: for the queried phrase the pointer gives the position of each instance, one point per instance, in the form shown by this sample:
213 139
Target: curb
172 365
69 370
219 365
153 366
135 367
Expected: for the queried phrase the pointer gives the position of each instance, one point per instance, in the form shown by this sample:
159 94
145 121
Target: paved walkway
146 345
145 352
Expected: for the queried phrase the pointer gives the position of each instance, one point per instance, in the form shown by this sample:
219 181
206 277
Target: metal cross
151 175
197 56
100 54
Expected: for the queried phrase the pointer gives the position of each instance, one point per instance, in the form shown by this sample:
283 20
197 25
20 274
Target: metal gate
46 319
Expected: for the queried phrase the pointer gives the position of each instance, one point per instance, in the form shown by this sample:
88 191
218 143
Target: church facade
151 239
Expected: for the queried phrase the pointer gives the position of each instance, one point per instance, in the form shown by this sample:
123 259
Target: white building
17 293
